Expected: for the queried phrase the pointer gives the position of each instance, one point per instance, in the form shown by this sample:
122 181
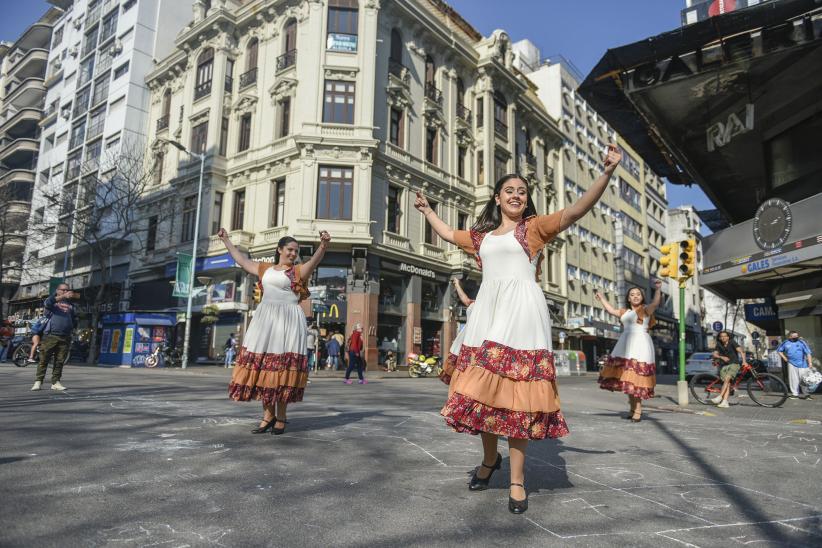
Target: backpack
38 326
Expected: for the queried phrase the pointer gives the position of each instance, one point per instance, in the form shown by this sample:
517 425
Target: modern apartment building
617 245
22 103
331 115
96 111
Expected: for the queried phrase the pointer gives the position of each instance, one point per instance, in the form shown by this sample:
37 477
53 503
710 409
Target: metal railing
202 90
287 59
433 94
501 128
399 70
248 78
229 84
464 113
162 122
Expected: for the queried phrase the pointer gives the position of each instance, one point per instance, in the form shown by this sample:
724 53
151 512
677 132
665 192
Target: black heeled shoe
518 506
264 428
481 484
278 431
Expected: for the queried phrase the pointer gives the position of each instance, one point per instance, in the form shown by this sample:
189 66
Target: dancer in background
272 364
631 367
450 363
504 382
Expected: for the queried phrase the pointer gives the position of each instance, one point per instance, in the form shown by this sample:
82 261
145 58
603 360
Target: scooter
421 366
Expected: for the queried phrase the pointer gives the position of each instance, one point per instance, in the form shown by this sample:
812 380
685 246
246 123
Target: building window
158 167
96 122
630 194
289 58
73 165
500 167
224 136
128 5
93 153
430 235
109 27
431 144
285 116
339 102
480 112
396 46
205 71
238 212
392 221
395 127
549 266
278 204
151 235
343 18
78 134
199 137
217 213
430 71
249 77
58 38
462 152
462 221
335 192
480 167
500 115
189 212
245 133
121 70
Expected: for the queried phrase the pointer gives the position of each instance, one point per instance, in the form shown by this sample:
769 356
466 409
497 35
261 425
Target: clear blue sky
580 30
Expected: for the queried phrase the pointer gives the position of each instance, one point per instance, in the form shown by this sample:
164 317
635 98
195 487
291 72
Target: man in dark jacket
57 336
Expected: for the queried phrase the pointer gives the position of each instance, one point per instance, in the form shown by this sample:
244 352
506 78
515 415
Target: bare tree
101 215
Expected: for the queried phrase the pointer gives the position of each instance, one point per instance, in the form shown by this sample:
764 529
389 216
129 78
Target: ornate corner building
330 115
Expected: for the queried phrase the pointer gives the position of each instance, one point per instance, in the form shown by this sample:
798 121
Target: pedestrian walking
798 354
453 352
504 381
729 357
631 366
333 349
57 336
272 364
355 348
312 340
230 350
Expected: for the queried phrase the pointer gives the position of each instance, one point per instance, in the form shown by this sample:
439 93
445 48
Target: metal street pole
187 337
682 384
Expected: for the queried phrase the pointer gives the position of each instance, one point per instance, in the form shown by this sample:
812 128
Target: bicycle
764 389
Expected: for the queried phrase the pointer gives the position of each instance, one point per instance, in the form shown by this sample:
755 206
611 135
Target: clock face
772 224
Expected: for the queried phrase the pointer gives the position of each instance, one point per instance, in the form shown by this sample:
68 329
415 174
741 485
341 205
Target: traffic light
687 258
668 261
258 292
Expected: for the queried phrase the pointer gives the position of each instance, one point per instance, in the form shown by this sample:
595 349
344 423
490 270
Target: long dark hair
628 296
730 338
490 217
284 241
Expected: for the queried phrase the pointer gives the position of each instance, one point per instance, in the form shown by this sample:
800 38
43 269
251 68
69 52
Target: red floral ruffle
448 368
260 361
287 394
519 365
616 385
464 414
640 368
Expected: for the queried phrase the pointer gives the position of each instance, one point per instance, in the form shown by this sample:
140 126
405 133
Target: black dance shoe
278 431
264 428
518 506
481 484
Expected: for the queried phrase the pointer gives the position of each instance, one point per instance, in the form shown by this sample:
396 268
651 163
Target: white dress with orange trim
272 364
503 379
631 366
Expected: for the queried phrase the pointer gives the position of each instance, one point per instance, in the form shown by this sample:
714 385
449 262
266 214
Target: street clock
772 224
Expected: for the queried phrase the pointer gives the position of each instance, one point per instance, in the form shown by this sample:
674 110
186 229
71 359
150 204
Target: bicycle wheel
21 354
705 386
767 390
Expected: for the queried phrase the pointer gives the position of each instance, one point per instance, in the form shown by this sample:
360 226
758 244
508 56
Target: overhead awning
731 103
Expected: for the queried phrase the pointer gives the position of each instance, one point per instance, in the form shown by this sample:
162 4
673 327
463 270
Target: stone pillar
413 311
363 308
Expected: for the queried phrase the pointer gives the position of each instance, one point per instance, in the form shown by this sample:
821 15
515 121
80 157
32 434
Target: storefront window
223 287
329 289
392 290
431 297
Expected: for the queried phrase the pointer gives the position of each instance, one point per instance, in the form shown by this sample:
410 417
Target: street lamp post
187 338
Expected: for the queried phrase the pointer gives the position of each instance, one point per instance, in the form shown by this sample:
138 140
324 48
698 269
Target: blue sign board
204 263
717 326
760 312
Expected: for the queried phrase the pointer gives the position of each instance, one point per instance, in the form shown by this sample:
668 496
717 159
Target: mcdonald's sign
333 312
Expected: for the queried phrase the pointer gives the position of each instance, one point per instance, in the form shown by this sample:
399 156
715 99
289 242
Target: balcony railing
400 71
464 114
287 59
162 123
432 93
248 78
229 84
201 90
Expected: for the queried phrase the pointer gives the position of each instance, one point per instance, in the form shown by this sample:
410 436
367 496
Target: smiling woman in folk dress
272 364
503 378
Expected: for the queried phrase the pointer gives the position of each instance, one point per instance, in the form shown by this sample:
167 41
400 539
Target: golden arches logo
333 312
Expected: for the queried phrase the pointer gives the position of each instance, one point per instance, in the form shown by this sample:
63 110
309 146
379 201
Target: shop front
128 339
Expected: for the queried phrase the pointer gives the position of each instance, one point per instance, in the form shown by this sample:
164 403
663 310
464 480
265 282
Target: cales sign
760 312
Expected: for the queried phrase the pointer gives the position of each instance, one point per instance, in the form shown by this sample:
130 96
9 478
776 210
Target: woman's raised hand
325 238
598 296
612 157
222 234
658 284
421 203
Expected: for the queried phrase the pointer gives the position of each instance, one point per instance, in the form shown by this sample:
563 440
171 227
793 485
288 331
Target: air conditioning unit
116 48
78 23
72 51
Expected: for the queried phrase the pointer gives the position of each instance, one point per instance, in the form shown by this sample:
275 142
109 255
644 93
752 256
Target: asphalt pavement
134 457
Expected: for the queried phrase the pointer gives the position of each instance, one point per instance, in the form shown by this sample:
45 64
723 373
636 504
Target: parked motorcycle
165 355
421 366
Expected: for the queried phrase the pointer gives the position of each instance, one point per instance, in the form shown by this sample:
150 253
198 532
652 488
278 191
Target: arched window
166 103
251 54
500 114
289 56
460 92
396 46
430 70
205 71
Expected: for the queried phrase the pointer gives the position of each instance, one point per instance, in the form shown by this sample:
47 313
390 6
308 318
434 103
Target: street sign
717 326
